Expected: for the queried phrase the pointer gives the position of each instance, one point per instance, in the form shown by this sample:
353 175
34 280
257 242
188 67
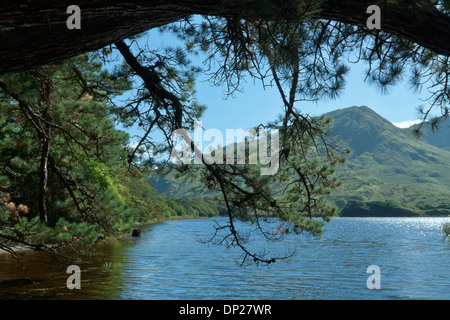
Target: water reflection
101 267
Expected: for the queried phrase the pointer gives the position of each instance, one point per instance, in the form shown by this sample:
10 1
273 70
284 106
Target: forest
64 168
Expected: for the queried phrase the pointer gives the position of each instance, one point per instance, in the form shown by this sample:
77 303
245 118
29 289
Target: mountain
171 185
440 138
388 173
388 167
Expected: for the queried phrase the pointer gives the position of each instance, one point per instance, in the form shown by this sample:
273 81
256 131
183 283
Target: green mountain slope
388 173
173 186
440 138
388 168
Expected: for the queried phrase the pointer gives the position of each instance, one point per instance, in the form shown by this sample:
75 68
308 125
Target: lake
170 261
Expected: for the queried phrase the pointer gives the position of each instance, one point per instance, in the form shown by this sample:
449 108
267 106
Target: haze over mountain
388 173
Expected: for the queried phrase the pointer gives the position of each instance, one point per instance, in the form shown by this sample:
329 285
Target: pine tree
64 172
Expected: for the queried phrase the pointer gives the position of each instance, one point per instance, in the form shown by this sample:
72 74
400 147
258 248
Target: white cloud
406 124
147 153
133 144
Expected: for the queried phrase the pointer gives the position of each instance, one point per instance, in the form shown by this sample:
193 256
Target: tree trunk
35 33
43 171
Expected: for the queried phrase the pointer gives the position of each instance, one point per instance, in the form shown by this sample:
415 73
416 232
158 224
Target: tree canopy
37 29
302 48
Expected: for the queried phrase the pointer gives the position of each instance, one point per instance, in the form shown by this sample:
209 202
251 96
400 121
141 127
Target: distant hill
388 166
388 173
172 186
440 138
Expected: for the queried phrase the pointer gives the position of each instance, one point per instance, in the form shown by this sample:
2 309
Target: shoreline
21 250
16 249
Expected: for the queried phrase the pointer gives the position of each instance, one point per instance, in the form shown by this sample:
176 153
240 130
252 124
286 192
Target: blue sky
256 105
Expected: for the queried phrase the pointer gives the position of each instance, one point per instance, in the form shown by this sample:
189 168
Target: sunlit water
169 261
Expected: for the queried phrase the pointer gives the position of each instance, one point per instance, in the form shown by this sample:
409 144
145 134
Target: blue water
169 261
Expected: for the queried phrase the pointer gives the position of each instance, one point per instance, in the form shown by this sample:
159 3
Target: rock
136 233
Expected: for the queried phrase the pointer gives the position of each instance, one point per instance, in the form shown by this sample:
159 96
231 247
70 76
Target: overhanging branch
35 33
